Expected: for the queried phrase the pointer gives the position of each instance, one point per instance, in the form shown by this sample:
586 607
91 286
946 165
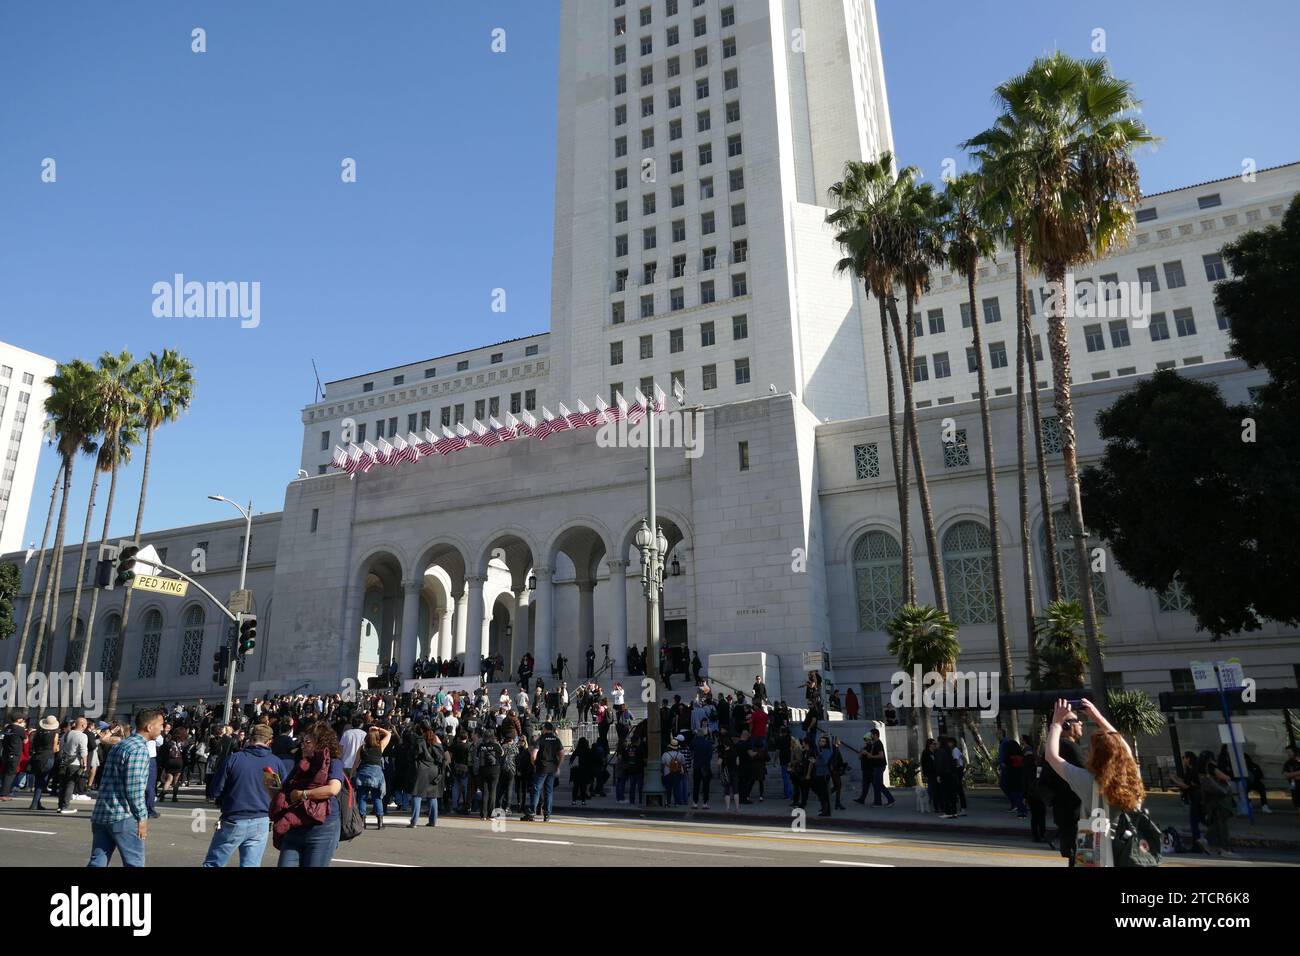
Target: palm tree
71 407
917 245
164 388
40 567
969 237
1062 646
1075 136
924 636
862 201
118 401
1133 712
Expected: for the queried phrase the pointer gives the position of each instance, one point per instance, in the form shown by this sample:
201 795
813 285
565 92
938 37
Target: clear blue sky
225 166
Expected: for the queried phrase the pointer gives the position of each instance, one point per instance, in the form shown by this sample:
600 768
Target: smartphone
1075 704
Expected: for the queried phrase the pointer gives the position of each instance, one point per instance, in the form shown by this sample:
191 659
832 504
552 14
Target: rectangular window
734 145
918 329
615 353
1214 269
645 16
706 154
941 367
647 346
674 134
739 327
361 433
972 359
430 372
324 441
728 16
730 80
935 317
676 340
706 334
701 57
494 406
674 65
1147 277
648 273
998 354
620 211
740 251
368 387
1221 317
620 179
530 400
460 413
620 115
617 313
1096 342
674 97
647 46
620 55
728 47
425 417
703 121
649 238
677 299
737 215
480 409
706 187
920 369
965 314
1184 322
516 403
1159 327
701 26
675 162
1174 278
743 448
410 423
742 371
679 266
707 294
1119 334
709 377
647 306
620 246
736 179
674 37
702 89
678 194
648 138
445 416
956 454
992 312
707 225
733 112
1146 215
1209 202
647 106
739 285
648 385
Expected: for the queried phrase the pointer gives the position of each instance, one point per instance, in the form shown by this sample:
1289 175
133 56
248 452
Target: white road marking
16 830
339 859
854 863
552 842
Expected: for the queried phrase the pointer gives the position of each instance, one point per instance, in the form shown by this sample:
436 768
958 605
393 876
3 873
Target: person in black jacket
11 754
425 760
1056 793
490 756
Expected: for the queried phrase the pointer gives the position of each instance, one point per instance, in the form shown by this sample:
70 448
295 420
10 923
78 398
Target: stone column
519 636
462 606
476 628
542 638
618 630
410 627
445 637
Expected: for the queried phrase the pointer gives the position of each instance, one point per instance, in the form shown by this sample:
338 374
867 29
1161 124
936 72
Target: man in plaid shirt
121 818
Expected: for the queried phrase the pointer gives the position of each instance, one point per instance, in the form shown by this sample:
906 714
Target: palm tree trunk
94 594
50 607
116 685
1022 472
81 577
40 568
1053 560
1058 337
1006 678
900 478
911 440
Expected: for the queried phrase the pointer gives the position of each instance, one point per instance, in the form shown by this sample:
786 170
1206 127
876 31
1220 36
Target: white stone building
785 529
22 415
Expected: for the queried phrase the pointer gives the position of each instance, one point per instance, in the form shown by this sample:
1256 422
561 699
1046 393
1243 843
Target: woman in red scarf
305 813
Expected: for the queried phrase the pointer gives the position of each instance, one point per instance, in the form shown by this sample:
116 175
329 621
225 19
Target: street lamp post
653 545
243 577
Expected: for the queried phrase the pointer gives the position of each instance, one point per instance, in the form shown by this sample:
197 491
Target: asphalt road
180 838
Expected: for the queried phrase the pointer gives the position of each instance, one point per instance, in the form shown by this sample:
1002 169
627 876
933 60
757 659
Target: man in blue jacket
242 788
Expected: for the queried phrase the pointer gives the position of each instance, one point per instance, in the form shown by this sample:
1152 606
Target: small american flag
368 459
527 423
449 442
603 414
544 428
504 432
584 417
561 421
636 411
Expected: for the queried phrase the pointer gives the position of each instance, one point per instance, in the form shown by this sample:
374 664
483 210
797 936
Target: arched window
150 641
72 661
192 640
112 634
878 574
968 573
1065 528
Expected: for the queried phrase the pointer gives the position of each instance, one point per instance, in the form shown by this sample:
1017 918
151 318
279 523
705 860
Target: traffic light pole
243 574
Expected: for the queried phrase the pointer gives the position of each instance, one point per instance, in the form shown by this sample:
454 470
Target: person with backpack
547 755
490 756
673 772
838 767
73 759
42 758
1011 764
306 815
171 762
367 773
1116 830
11 755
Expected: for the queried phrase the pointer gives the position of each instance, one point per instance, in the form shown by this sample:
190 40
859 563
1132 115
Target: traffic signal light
106 566
221 665
247 634
125 566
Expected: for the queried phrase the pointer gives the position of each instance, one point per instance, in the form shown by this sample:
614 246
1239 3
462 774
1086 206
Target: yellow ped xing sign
148 582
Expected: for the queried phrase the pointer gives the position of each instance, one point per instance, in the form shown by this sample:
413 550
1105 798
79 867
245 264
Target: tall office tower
22 412
697 140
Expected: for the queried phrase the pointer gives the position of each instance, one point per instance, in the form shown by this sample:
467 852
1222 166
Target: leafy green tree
10 580
1062 646
1134 713
925 636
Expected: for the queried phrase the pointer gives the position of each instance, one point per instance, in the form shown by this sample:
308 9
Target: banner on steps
431 685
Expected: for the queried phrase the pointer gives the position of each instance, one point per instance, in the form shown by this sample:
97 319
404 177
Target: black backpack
351 823
1136 840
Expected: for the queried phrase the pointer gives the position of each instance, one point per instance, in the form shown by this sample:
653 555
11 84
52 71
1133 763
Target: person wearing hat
11 754
45 744
674 771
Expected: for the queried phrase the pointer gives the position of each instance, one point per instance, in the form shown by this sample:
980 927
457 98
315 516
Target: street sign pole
1243 788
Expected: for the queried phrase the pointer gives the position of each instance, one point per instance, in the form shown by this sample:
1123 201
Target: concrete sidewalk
987 814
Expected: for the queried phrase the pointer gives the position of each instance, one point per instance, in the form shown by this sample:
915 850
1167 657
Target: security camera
302 473
772 389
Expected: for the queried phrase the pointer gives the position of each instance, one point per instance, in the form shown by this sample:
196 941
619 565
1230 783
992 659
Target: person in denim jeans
120 820
240 788
634 774
548 753
425 766
368 773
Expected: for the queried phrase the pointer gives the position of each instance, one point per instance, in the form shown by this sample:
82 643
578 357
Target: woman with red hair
1111 780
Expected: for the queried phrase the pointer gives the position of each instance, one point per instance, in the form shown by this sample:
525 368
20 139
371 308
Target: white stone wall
21 454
